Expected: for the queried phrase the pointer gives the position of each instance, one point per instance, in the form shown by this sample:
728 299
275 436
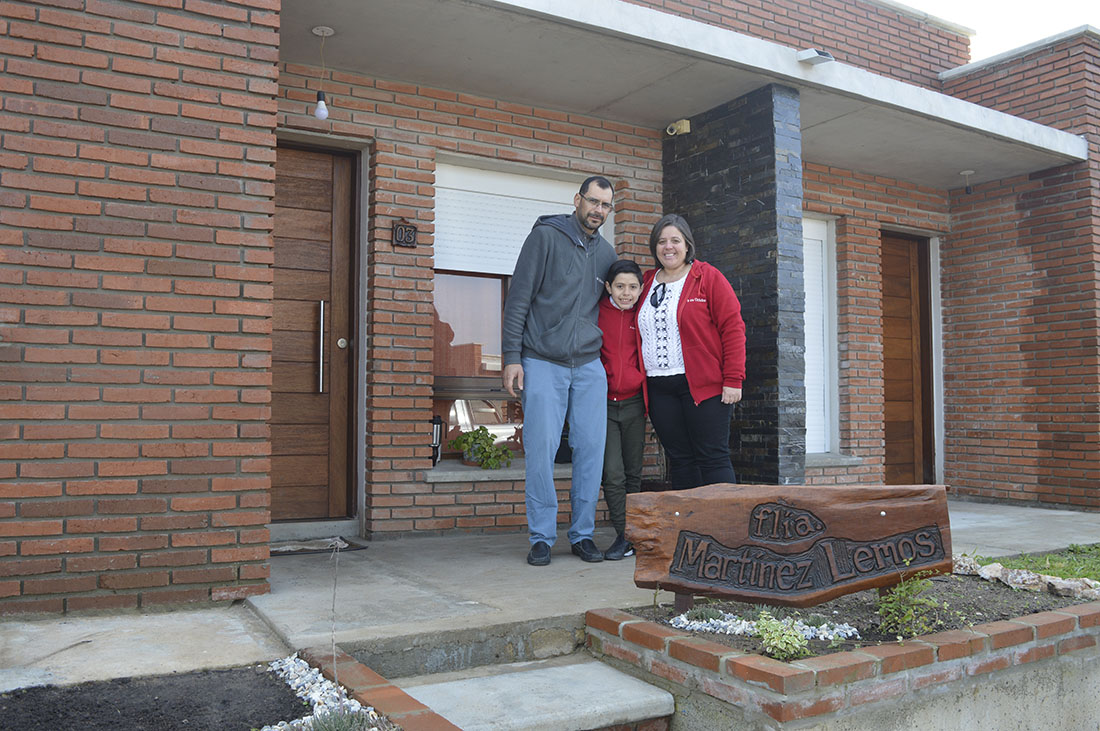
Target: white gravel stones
731 624
321 693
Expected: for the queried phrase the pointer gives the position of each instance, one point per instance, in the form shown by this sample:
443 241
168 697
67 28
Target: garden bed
1001 658
969 601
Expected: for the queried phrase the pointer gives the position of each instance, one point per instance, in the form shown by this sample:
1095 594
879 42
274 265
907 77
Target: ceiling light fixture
321 110
966 177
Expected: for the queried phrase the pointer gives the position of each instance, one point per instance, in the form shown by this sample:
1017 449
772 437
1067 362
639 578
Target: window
481 220
819 276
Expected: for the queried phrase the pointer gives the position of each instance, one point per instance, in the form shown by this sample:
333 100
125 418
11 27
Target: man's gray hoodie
553 298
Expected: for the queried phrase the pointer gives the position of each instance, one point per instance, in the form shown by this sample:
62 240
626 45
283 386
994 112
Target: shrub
905 612
781 639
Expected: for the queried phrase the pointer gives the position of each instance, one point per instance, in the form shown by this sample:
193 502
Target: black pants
696 438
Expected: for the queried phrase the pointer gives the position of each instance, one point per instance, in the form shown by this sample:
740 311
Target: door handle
321 350
342 343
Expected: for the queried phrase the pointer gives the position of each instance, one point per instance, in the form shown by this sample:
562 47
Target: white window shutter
819 373
483 216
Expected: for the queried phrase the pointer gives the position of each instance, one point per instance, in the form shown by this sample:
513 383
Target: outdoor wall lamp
437 438
813 57
321 110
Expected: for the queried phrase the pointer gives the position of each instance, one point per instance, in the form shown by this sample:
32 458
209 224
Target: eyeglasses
599 205
657 295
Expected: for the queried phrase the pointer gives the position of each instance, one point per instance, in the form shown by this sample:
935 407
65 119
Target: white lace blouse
661 351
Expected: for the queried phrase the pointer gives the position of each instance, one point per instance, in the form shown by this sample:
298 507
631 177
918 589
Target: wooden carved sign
787 545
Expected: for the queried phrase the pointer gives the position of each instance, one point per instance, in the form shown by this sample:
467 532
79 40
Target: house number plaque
404 233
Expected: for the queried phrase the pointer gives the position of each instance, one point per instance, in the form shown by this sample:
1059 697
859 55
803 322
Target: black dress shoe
619 549
587 550
539 555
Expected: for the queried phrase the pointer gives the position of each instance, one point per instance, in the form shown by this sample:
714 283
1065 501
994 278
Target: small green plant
702 614
815 620
780 639
479 446
781 613
904 610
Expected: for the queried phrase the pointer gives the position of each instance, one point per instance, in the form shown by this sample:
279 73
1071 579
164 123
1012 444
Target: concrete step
453 650
562 693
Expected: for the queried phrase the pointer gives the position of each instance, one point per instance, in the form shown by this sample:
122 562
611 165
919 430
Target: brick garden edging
816 687
371 689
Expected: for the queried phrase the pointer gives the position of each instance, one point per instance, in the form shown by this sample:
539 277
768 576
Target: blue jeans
551 394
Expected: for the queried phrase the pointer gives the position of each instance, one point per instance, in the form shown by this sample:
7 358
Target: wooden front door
312 354
906 336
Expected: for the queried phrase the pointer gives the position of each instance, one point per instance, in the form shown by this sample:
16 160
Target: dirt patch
970 601
238 699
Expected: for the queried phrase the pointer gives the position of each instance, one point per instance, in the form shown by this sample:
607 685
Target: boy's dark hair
681 225
599 180
623 266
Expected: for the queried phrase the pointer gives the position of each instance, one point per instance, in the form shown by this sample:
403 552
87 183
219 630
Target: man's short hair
599 180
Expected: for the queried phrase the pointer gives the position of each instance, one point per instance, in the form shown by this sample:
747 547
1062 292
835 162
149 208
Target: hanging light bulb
321 110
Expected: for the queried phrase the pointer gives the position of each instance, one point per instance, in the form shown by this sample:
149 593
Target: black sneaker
539 555
620 549
587 551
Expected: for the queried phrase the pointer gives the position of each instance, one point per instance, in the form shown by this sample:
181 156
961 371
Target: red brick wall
1022 297
864 205
1022 407
1057 85
864 34
408 126
136 150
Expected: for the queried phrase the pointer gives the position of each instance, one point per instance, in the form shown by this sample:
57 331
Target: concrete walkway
407 586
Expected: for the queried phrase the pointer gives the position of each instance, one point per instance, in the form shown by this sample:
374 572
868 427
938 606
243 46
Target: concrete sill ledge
454 471
831 459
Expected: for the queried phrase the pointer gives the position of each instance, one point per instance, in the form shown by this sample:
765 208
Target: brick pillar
737 179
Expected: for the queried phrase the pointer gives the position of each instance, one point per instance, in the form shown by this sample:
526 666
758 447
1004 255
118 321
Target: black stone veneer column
737 179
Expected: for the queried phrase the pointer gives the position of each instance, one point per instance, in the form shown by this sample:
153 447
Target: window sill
832 459
450 470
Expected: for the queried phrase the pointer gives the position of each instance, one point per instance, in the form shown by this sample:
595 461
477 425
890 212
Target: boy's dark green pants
622 456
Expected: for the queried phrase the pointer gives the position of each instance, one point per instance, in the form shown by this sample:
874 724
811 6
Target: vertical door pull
321 351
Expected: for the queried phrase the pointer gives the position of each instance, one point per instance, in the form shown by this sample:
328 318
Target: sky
1003 25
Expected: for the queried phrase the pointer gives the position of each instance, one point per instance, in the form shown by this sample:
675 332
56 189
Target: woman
692 342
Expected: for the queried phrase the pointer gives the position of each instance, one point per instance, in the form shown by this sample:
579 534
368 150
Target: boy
622 457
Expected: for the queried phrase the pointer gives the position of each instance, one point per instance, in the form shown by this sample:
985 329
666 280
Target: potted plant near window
479 447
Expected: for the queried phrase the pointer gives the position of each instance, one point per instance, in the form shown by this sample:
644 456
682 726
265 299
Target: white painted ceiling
625 63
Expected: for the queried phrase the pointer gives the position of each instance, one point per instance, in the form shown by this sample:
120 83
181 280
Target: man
551 353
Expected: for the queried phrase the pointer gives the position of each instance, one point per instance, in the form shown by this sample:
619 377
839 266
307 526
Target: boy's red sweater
619 352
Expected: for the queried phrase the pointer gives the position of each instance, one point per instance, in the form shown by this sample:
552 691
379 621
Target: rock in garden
1022 579
966 566
1065 587
991 572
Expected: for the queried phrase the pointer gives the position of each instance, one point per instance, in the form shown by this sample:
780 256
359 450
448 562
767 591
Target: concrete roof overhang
614 60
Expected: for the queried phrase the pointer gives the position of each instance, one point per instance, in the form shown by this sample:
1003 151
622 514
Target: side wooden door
906 333
311 339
